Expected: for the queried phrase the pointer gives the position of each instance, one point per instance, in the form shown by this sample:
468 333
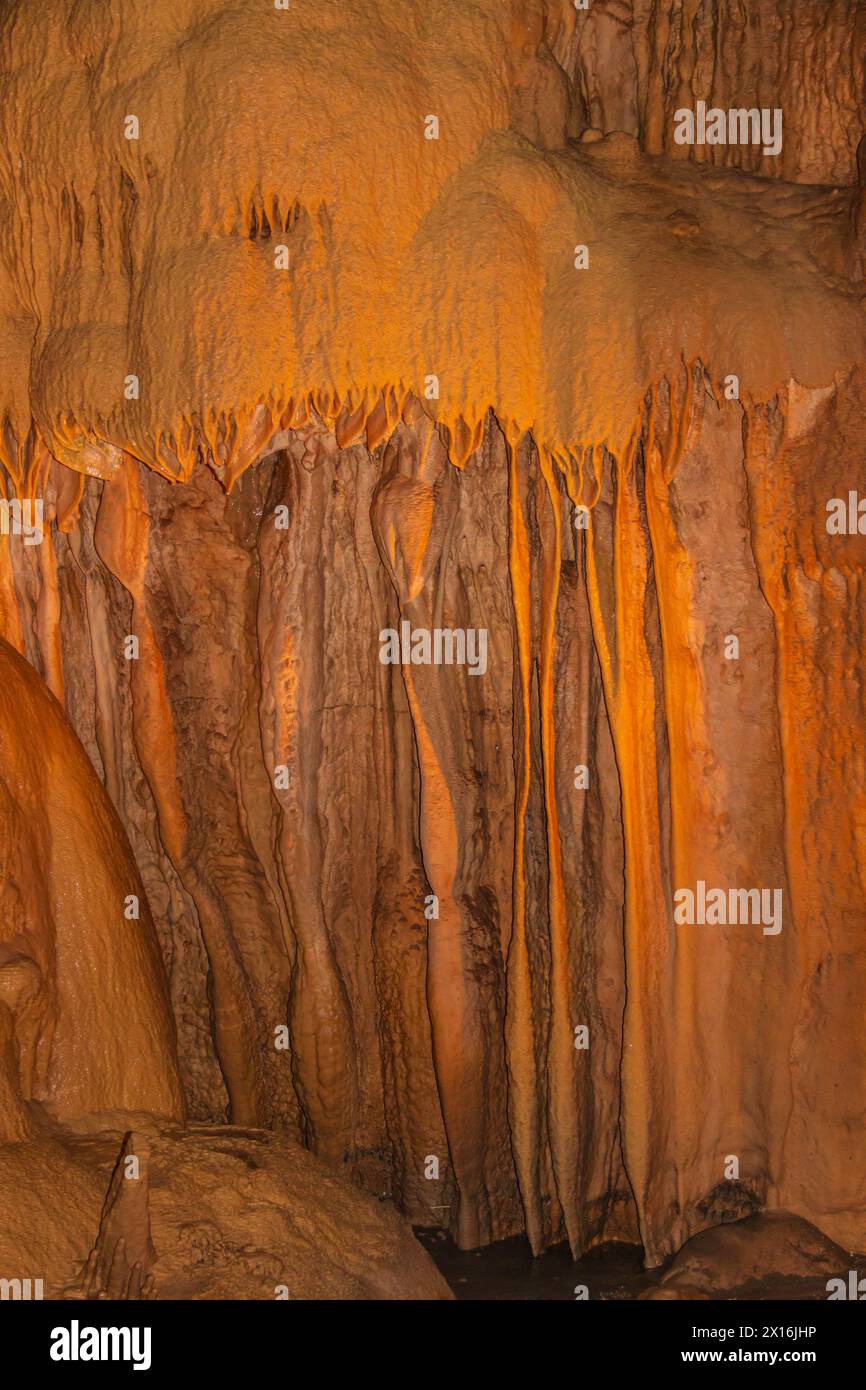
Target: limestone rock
463 343
207 1212
770 1245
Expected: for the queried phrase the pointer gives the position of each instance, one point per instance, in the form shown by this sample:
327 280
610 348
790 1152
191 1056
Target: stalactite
319 1013
520 1025
122 537
564 1099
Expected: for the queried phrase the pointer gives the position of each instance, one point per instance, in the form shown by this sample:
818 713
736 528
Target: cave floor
506 1271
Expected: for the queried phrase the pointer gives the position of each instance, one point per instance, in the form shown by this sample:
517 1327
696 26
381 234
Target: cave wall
282 489
315 895
304 905
632 63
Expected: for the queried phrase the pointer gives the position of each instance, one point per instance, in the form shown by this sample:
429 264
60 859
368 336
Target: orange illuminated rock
739 1255
193 275
323 325
83 1003
158 1211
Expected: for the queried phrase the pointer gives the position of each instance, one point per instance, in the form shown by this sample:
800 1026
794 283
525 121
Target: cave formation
321 321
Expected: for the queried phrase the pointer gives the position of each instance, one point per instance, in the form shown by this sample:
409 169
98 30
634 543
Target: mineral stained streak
297 343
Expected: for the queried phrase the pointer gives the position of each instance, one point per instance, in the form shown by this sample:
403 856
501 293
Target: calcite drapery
150 334
729 1035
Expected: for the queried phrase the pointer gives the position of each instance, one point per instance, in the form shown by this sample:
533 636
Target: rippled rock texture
426 919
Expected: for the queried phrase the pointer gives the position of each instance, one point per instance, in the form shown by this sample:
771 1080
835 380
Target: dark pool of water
507 1270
